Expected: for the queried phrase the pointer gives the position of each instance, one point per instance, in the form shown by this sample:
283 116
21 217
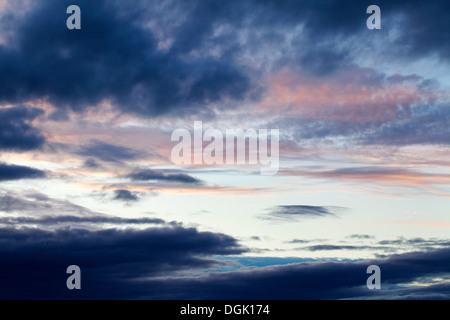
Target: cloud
12 172
316 280
182 59
416 243
114 58
422 21
92 221
296 241
33 203
214 54
424 125
329 247
292 213
218 56
34 261
361 236
166 263
16 134
400 109
125 195
389 246
110 152
91 163
321 62
155 175
332 22
379 174
59 116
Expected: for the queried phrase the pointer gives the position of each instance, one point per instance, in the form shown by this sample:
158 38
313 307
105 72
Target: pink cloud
360 96
379 175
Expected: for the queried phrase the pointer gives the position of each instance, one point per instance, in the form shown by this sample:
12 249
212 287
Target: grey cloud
295 212
96 220
329 247
110 152
125 195
91 163
39 204
59 116
157 175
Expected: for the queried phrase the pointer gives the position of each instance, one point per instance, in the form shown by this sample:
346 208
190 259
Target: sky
86 170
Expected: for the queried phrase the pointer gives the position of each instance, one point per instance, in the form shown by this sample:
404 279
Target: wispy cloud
95 221
33 203
295 212
330 247
158 175
394 176
110 153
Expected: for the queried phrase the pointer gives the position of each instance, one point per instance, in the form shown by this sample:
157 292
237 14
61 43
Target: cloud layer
129 264
31 259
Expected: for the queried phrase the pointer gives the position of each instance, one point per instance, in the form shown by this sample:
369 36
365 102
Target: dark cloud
156 175
91 163
125 195
112 57
317 280
12 172
144 63
426 27
34 262
110 152
331 22
196 62
298 211
326 28
322 62
431 292
144 264
400 244
16 133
